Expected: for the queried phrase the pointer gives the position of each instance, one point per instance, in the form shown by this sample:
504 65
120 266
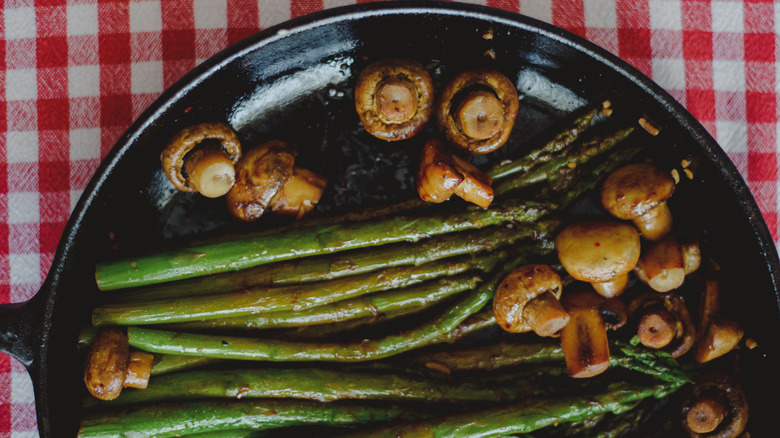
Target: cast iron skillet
294 82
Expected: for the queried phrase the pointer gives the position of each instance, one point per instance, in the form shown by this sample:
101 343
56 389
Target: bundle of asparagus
215 303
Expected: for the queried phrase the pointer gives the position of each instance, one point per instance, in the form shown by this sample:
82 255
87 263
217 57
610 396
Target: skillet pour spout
305 70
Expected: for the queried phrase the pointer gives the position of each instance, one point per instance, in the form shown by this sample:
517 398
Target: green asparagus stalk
242 348
348 263
524 416
285 298
270 246
190 417
406 299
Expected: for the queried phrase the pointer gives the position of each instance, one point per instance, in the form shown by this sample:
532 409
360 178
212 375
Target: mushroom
663 322
443 174
717 335
527 299
599 252
638 192
200 158
717 407
477 110
584 339
394 98
666 262
110 366
267 179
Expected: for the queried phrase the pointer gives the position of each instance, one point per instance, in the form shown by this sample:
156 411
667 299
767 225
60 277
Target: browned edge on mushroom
394 98
599 252
527 299
665 263
193 164
638 192
110 366
477 109
717 407
442 173
267 179
584 339
663 322
717 335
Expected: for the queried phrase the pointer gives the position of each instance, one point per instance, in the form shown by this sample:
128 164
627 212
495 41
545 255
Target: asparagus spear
348 263
270 246
410 298
286 298
190 417
524 416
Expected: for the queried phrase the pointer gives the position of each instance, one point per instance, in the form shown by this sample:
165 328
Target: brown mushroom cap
723 388
394 98
173 156
260 174
105 368
635 189
467 110
527 299
683 329
598 251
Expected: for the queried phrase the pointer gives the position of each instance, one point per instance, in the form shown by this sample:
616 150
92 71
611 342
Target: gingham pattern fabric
74 75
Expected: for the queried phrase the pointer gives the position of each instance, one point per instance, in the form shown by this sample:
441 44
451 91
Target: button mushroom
443 174
527 299
638 192
601 253
200 158
394 98
110 366
267 179
717 407
663 322
666 262
717 335
477 110
584 339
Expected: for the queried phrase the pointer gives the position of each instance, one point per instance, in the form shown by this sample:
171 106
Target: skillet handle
20 328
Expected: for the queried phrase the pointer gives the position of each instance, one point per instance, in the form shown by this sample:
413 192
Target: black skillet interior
294 82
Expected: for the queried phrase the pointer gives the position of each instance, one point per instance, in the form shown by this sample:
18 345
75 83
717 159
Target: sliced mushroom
527 299
477 110
717 335
663 322
601 253
195 164
584 339
717 407
394 98
442 174
638 192
666 262
110 366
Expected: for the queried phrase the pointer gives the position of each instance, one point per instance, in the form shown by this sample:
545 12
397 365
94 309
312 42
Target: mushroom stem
656 328
442 174
666 262
139 369
300 194
612 288
545 314
706 414
718 335
655 223
584 339
396 99
210 170
480 115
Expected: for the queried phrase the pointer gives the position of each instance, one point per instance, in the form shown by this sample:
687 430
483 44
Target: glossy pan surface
294 82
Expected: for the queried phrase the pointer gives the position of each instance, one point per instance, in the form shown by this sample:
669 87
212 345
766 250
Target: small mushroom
717 407
527 299
717 335
638 192
201 158
477 110
443 174
666 262
394 98
601 253
584 339
110 366
663 322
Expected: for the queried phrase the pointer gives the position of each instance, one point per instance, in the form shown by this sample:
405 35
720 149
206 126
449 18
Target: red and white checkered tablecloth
74 75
